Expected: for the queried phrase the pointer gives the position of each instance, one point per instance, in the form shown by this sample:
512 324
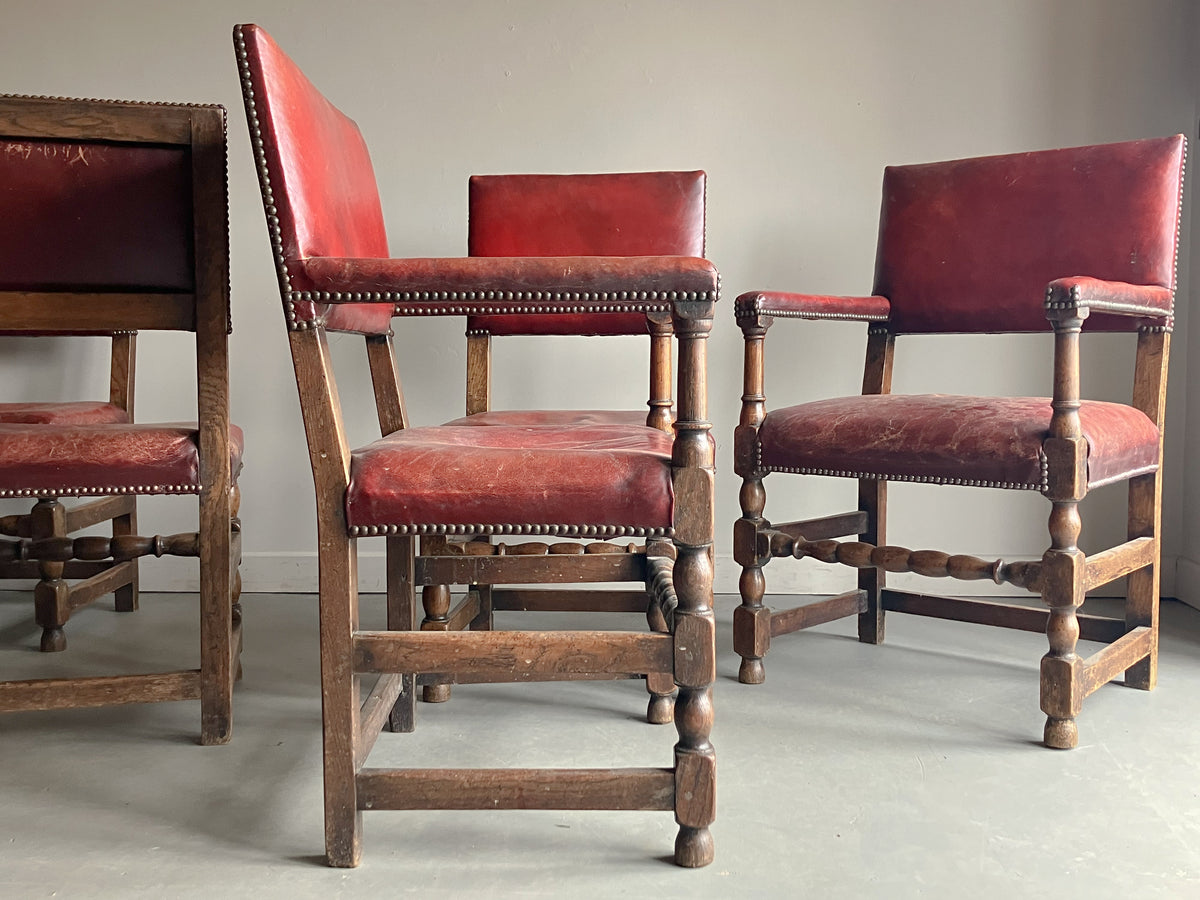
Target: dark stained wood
502 653
464 612
93 512
434 570
1145 502
992 612
110 690
648 789
825 527
88 120
550 600
1121 560
479 373
1106 664
385 379
401 616
89 313
786 621
375 712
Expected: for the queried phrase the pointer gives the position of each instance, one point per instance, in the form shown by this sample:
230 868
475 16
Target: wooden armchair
115 222
616 214
623 214
971 246
575 481
27 227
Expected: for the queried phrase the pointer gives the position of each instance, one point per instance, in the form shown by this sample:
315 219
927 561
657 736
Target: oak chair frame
674 568
482 601
46 551
1061 577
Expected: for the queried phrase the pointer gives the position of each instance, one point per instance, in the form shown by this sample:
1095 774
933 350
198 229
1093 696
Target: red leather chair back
79 216
627 214
318 185
970 245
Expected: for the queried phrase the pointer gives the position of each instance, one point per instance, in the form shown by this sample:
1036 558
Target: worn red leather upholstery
622 214
82 412
601 475
323 193
462 283
94 216
985 441
970 245
90 460
564 417
323 206
1146 301
811 306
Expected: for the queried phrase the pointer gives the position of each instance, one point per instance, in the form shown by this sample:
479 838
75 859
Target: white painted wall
792 106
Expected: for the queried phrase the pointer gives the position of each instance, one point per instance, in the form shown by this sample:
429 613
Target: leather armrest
502 285
811 306
1145 300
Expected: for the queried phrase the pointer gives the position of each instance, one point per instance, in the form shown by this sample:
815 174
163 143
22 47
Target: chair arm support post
693 625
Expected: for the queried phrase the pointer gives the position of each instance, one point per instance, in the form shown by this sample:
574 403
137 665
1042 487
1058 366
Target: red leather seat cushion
83 412
988 441
602 475
88 460
560 417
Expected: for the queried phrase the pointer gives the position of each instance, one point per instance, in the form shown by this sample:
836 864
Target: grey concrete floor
907 770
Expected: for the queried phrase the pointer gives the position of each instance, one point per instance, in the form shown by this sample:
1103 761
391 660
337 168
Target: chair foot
661 710
53 640
752 671
693 847
435 693
1061 734
345 857
215 733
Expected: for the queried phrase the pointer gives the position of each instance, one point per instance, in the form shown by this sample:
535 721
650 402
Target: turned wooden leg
693 626
51 595
401 599
751 620
436 600
695 670
1063 569
661 685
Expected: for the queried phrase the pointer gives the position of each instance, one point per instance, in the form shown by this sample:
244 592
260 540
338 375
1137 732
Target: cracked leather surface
85 459
81 216
940 437
620 214
970 245
596 475
322 181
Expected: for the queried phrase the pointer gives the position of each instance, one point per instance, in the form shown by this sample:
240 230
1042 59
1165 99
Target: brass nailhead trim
103 491
1043 465
566 530
742 309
